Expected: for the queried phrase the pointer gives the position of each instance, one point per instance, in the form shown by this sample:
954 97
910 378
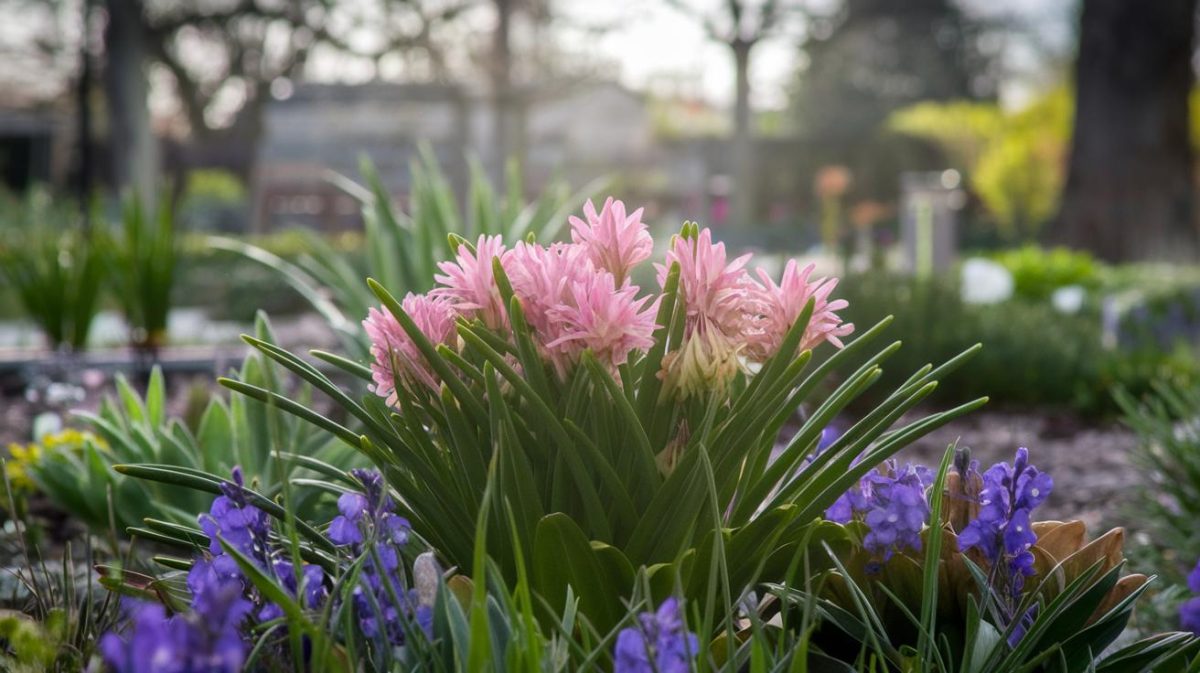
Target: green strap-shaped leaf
597 573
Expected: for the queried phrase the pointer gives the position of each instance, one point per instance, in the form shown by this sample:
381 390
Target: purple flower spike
232 518
659 643
1003 530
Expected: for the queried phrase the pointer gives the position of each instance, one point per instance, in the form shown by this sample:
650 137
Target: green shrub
1167 424
142 255
1038 272
1013 160
1032 355
53 265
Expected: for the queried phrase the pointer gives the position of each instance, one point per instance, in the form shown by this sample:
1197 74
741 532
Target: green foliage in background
229 288
1013 161
1031 355
213 199
54 617
1038 272
1167 424
53 265
139 429
142 255
1166 506
403 247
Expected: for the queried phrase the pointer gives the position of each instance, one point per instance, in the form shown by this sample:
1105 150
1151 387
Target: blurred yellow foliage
1015 161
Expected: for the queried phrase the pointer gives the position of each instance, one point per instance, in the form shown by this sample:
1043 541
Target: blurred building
324 130
588 131
578 134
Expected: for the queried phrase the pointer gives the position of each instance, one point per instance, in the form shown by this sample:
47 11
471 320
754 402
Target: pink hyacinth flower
540 278
598 315
396 360
469 282
783 303
571 305
613 241
717 293
722 302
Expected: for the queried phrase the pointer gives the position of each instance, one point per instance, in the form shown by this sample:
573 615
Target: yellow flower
22 458
17 466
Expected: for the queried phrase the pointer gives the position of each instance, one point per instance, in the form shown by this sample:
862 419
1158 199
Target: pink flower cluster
733 319
579 296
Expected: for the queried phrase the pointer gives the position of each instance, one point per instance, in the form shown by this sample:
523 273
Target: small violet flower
208 641
369 526
232 518
658 643
1189 615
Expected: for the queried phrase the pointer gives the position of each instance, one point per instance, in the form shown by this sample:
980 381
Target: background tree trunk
83 111
132 144
742 198
1129 189
508 123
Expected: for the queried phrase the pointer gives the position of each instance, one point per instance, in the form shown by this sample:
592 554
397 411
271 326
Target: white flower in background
1068 298
985 282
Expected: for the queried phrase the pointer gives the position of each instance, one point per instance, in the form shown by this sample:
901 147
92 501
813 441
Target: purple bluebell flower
856 500
346 527
196 642
899 513
891 501
658 643
1189 612
368 525
1022 626
213 583
829 434
311 591
1189 615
